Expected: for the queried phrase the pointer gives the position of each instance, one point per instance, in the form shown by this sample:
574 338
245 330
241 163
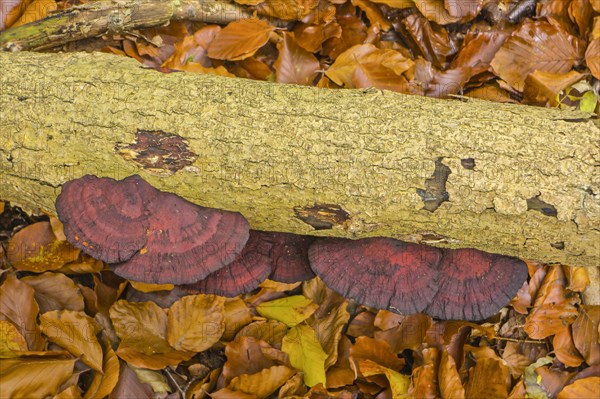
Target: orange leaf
240 39
554 307
536 45
36 10
490 379
294 64
583 388
592 57
585 333
449 379
565 349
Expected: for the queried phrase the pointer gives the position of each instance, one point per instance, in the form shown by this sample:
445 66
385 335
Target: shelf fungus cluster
157 237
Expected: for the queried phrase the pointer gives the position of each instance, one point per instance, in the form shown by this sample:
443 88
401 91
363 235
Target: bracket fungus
148 235
290 257
244 274
389 274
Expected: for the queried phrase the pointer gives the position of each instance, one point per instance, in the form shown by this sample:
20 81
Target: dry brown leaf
289 10
103 383
129 386
490 379
552 380
449 379
536 45
71 392
107 293
236 316
396 3
245 356
57 228
195 322
293 387
226 393
263 383
384 320
76 332
311 37
586 333
354 32
429 40
36 10
270 331
380 352
408 335
329 319
515 359
83 265
34 377
342 372
18 305
193 49
11 340
35 248
362 325
142 328
294 64
399 383
491 92
553 308
146 287
565 349
479 49
55 291
425 377
542 88
239 39
581 12
373 13
592 57
583 388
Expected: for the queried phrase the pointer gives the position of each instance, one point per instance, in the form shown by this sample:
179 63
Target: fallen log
503 178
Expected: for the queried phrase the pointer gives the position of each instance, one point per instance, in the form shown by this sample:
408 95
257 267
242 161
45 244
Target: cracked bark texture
348 163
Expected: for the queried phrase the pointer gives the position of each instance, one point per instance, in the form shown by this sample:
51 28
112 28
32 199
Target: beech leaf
291 310
306 354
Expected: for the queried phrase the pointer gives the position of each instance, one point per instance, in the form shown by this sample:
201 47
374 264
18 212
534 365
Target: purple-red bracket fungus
148 235
244 274
406 278
290 257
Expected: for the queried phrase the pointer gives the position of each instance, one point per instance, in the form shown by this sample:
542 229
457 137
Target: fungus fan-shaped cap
381 272
244 274
290 257
475 285
105 218
185 242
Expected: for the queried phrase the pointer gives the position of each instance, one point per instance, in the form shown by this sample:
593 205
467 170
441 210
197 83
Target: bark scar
157 152
322 216
435 192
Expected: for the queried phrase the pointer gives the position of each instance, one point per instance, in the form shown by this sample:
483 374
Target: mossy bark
508 179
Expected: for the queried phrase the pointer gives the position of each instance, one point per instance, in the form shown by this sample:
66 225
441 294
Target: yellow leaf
263 383
34 377
76 332
306 354
196 322
153 378
11 340
146 287
398 383
291 310
237 315
103 383
36 10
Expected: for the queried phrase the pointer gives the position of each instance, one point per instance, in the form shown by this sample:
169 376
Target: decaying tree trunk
509 179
